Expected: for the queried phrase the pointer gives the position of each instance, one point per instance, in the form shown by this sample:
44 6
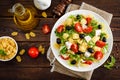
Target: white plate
94 65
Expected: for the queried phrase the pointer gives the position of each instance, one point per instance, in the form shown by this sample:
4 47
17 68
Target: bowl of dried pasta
8 48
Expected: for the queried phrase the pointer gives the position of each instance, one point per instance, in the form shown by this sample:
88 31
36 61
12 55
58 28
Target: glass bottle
24 18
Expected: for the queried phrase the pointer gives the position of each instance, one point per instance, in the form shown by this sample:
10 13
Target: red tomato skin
100 44
88 20
78 27
74 48
89 62
88 29
98 55
33 52
46 29
60 28
65 58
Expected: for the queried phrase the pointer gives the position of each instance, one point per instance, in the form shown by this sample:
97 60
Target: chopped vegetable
14 33
18 58
46 29
2 52
44 14
22 51
110 63
33 52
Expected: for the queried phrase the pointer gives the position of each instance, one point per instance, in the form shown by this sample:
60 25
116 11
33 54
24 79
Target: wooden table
39 69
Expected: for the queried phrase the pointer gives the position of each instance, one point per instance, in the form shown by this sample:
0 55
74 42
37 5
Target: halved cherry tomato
46 29
88 29
74 47
78 27
60 28
65 56
88 20
98 55
100 44
88 62
33 52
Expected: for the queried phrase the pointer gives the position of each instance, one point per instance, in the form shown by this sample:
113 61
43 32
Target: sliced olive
99 26
90 50
58 40
79 52
68 27
104 39
73 62
82 36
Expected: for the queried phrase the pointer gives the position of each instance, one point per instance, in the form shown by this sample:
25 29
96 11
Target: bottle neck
20 12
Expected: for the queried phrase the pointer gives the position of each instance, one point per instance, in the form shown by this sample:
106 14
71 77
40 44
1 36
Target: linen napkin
56 66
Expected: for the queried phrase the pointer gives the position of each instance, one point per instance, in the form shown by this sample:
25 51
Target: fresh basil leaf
63 50
110 63
2 52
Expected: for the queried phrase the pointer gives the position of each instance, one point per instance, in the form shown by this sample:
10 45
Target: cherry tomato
60 28
65 56
88 29
78 27
88 20
100 44
74 48
33 52
46 29
98 55
88 62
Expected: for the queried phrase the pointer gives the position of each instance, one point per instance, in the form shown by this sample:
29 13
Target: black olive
99 26
58 40
90 50
68 27
78 17
73 62
104 39
79 52
82 36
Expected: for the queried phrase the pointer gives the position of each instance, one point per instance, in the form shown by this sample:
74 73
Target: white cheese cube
87 54
87 38
84 26
68 44
83 21
97 32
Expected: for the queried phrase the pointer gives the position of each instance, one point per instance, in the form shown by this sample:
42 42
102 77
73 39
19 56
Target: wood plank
111 6
31 74
104 74
42 61
27 61
7 29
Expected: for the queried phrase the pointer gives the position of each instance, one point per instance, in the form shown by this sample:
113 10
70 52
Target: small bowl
9 56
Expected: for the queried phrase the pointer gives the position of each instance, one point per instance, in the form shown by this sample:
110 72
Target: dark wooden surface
39 69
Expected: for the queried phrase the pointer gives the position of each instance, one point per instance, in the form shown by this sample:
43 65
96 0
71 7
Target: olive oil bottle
24 18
